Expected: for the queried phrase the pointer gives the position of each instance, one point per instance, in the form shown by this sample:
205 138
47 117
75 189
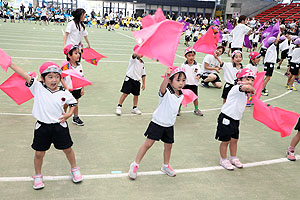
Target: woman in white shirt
76 30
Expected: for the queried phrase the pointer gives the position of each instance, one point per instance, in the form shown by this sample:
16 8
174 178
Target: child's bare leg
233 147
135 100
38 161
76 108
223 149
70 156
122 98
167 152
295 140
143 149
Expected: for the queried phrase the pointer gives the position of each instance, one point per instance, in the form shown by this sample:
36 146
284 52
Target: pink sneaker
290 155
76 175
38 182
236 162
133 171
226 164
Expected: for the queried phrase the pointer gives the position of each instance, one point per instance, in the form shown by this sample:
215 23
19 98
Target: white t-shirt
284 45
188 32
296 55
196 34
68 80
44 12
211 61
225 37
230 72
291 49
191 72
252 68
235 104
238 34
75 35
256 38
167 109
48 106
136 69
271 54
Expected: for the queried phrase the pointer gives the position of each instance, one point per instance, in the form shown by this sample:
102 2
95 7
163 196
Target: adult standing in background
238 34
76 30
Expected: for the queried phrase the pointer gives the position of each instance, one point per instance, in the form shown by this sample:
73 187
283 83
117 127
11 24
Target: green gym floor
107 144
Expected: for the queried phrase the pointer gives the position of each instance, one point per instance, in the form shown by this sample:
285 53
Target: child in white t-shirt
192 72
230 70
294 65
162 125
51 126
254 60
135 73
188 36
230 116
290 53
73 55
284 48
269 61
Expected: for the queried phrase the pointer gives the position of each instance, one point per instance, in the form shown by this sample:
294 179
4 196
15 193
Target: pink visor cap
176 70
48 67
69 47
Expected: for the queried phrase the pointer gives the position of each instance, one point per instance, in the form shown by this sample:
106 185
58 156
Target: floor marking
149 173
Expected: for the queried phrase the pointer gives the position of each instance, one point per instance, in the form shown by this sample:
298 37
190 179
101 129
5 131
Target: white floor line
149 173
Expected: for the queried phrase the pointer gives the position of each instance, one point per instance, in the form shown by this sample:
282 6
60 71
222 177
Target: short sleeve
246 29
206 59
70 100
84 33
33 85
69 27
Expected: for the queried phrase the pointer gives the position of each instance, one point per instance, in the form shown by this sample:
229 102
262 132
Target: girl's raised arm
21 72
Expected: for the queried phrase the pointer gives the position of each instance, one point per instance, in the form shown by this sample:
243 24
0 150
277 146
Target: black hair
77 15
179 75
45 74
71 53
221 47
242 18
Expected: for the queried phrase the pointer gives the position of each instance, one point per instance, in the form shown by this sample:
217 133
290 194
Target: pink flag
66 65
159 41
208 42
275 118
189 97
5 60
16 89
77 80
92 56
156 18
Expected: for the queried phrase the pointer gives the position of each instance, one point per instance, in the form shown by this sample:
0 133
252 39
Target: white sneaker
132 173
119 110
236 162
168 170
136 111
226 164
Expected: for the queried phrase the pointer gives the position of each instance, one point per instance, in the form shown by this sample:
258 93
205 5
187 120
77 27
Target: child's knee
39 154
68 150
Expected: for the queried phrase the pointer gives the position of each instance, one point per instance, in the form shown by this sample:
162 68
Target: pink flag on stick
5 60
77 80
156 18
92 56
159 41
16 89
277 119
189 97
208 42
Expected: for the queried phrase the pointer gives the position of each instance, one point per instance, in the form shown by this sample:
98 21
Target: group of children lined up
51 100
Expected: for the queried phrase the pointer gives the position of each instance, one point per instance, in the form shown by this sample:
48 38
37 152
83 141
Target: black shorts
46 134
226 89
205 75
76 93
44 18
157 132
227 128
229 46
194 88
263 52
297 127
289 61
269 68
224 43
254 44
233 49
195 39
131 86
187 38
112 22
284 54
294 69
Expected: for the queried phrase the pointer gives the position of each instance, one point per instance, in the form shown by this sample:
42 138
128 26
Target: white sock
165 165
233 157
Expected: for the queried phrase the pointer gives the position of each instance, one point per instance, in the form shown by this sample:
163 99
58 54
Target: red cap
254 55
69 47
245 73
50 67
